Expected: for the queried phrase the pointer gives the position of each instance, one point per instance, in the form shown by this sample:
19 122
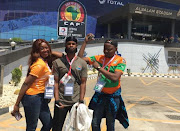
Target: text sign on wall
72 19
153 11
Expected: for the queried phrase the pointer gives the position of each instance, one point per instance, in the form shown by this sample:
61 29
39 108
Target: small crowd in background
145 37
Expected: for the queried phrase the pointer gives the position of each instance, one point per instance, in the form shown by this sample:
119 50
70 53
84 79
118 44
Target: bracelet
81 101
57 102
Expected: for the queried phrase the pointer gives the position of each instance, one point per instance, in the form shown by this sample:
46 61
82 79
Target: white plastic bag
70 122
79 119
83 118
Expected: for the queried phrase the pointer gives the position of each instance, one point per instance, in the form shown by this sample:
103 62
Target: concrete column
173 28
1 79
109 30
129 28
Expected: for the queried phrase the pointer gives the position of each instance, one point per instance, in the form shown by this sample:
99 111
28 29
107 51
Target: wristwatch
98 68
81 101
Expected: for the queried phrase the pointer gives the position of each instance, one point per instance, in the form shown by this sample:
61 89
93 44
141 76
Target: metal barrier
1 79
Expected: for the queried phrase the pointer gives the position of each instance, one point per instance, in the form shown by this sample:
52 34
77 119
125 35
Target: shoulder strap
63 59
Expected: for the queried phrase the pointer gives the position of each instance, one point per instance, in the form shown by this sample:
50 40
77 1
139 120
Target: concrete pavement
153 104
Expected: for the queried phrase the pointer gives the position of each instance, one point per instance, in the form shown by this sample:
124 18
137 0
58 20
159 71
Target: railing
173 44
102 40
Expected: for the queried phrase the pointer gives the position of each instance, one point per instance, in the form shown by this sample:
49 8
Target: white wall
133 53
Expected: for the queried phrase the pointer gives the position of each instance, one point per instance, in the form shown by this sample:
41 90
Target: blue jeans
102 110
36 107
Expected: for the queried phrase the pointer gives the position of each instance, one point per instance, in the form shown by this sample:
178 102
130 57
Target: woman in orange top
32 91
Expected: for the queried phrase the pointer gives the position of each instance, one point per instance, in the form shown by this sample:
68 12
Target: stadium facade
32 19
152 20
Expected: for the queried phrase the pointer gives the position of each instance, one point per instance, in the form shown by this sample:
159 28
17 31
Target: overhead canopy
138 9
114 15
177 2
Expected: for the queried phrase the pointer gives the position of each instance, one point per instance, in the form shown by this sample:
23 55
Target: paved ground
153 104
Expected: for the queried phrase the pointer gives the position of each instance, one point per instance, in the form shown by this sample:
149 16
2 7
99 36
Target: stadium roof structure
171 1
138 9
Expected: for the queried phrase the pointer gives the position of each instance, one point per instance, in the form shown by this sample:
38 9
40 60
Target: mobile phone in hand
58 105
18 116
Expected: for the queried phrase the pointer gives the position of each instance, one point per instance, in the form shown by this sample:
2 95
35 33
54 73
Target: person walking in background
70 73
107 101
33 89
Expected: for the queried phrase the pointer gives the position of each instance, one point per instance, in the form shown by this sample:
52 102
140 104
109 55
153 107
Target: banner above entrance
152 11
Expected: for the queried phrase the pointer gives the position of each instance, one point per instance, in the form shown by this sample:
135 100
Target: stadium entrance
134 21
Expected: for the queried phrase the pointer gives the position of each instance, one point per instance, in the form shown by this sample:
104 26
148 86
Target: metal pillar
129 28
173 28
109 30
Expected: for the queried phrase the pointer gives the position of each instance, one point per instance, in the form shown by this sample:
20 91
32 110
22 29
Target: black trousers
59 117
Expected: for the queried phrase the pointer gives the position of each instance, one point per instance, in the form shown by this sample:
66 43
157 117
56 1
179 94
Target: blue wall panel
32 19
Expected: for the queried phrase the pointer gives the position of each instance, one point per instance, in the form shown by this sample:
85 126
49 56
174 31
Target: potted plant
16 76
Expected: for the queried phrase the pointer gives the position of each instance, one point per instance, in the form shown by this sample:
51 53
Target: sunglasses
109 41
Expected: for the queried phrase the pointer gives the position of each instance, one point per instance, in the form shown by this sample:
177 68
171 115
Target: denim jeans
102 110
59 117
36 107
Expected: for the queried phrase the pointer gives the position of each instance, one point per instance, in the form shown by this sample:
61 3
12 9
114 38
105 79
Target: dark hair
111 42
71 38
35 53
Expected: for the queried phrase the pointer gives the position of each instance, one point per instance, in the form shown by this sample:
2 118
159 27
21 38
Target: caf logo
72 11
102 1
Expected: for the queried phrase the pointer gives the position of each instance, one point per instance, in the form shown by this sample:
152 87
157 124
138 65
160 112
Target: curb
8 109
4 110
158 76
94 76
90 77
